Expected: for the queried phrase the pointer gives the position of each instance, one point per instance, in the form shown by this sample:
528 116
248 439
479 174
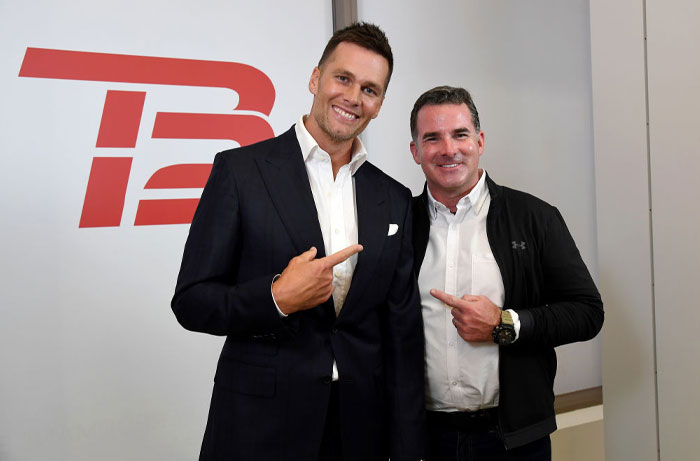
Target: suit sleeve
405 355
572 309
208 297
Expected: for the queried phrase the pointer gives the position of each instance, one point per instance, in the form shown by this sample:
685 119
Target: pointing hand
307 282
475 317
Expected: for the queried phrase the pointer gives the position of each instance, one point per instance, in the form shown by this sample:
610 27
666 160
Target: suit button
334 331
327 380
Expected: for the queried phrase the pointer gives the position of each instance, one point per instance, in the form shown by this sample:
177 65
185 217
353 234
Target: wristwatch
504 332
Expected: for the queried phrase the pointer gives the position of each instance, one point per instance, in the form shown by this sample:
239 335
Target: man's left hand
475 317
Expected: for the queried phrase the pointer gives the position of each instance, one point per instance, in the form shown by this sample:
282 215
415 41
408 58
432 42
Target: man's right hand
307 282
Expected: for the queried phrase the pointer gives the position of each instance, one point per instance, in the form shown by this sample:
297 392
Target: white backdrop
527 65
93 365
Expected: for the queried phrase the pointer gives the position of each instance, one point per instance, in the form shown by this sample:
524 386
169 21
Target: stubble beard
336 137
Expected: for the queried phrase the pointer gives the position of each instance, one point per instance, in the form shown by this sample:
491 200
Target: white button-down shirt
335 204
460 375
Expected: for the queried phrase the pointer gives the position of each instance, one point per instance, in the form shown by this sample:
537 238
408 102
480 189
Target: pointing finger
340 256
448 299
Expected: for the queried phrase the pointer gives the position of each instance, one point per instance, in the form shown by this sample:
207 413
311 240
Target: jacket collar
421 218
284 173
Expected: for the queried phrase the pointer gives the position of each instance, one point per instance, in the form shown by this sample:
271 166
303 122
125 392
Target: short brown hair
444 95
366 35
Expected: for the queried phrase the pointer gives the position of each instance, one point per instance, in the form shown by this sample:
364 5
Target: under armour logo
518 246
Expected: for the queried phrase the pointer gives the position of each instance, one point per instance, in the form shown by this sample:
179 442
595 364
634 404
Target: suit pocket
246 378
257 345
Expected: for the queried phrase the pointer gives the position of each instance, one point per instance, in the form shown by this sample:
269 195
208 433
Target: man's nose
449 147
353 94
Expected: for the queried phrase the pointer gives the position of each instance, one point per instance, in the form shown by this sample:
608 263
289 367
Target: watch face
505 336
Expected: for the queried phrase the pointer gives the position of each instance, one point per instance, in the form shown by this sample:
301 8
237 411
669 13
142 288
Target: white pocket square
393 228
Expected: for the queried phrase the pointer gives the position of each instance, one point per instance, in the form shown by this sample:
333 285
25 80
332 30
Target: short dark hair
366 35
444 95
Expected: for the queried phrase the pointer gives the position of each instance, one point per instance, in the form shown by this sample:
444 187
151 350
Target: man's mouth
449 165
344 114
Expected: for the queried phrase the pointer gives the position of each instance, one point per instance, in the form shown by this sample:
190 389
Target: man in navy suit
300 254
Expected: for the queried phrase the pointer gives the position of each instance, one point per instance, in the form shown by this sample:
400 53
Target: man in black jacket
501 284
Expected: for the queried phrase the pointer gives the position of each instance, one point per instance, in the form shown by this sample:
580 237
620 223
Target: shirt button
454 383
451 344
337 231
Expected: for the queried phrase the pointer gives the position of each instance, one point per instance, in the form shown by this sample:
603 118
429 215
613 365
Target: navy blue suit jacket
272 387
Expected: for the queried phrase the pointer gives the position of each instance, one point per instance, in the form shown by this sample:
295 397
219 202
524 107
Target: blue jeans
479 441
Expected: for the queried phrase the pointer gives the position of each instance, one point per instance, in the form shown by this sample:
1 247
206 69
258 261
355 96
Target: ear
414 151
313 81
480 142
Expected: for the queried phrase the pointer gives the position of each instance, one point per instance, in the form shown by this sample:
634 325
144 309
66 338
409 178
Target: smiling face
348 92
448 148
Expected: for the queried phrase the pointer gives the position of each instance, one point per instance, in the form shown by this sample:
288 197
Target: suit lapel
372 227
287 182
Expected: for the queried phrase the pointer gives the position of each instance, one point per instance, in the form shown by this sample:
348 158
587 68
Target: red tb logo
121 118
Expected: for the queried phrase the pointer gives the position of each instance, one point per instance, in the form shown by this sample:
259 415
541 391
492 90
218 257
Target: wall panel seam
651 229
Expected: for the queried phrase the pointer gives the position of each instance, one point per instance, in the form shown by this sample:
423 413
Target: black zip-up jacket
547 283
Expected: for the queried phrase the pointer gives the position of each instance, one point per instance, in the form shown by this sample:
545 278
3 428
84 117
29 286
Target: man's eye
342 78
369 91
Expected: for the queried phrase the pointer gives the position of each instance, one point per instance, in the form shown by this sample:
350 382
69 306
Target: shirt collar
309 146
474 200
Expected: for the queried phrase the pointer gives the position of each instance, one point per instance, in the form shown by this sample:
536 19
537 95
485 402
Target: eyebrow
429 134
369 84
433 134
345 72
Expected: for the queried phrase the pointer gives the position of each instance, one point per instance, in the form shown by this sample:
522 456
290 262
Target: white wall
649 225
527 65
624 237
93 364
673 31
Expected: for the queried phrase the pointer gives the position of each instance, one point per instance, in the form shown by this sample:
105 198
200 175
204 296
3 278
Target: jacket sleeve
405 355
572 309
208 297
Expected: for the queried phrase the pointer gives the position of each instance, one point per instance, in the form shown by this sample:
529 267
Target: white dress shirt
460 375
335 205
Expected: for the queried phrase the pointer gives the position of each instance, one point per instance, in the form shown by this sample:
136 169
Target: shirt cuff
282 314
516 322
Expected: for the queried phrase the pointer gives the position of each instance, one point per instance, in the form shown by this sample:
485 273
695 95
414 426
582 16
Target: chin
341 136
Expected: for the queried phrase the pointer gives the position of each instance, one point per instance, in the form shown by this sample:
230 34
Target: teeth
451 165
344 114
